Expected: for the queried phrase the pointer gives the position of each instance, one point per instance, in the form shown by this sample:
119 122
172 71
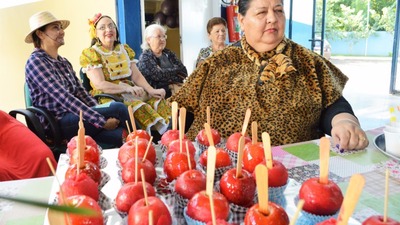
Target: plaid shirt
53 85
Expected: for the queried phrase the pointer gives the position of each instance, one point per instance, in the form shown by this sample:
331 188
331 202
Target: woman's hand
111 124
157 93
348 135
135 90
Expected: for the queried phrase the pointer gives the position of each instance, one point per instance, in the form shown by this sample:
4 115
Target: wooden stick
300 205
246 121
146 200
262 188
209 134
254 132
130 110
151 217
127 126
385 206
174 115
147 149
267 149
324 149
136 159
182 117
240 157
81 143
213 217
211 159
188 155
350 200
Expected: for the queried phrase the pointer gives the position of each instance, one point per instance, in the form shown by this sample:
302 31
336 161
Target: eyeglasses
160 37
104 27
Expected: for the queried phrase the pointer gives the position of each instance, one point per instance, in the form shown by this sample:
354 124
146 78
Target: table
301 160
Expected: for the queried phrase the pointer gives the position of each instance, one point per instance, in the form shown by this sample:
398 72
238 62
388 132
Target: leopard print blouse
286 89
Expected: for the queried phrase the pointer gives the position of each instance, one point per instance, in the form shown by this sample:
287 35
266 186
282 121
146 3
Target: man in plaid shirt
54 86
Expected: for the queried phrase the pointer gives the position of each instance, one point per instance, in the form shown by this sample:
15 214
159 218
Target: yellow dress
152 114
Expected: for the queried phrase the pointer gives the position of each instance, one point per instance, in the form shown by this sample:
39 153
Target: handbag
175 87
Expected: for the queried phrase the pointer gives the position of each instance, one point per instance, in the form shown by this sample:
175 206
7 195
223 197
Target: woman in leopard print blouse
294 94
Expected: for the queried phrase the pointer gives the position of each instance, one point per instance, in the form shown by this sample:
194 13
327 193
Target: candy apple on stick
135 132
233 140
223 158
145 150
238 185
378 219
321 195
202 137
139 211
198 207
172 134
350 200
265 212
277 172
253 153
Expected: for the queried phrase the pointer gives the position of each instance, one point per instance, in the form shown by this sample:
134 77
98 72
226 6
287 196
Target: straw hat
41 19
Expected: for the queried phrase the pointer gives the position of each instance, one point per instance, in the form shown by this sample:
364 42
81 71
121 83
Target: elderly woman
294 94
111 68
216 29
160 66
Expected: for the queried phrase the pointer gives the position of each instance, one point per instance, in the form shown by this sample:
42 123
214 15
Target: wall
14 51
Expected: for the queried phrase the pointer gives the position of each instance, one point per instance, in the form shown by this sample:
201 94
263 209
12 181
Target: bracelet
349 120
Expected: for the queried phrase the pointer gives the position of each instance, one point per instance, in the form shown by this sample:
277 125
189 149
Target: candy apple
189 183
198 207
330 221
320 199
175 145
72 144
238 190
129 193
169 136
222 158
253 154
91 169
276 216
139 212
138 133
232 143
80 184
176 163
378 220
127 151
83 201
277 175
203 140
91 154
128 171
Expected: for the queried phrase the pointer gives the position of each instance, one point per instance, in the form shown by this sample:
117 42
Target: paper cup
392 142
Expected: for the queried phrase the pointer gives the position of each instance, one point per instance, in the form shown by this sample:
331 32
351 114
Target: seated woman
22 154
160 66
216 29
111 68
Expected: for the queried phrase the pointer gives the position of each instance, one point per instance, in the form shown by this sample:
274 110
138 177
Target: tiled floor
368 89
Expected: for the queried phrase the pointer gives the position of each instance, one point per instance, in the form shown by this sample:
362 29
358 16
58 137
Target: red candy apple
174 146
176 163
203 140
139 212
83 201
232 143
189 183
129 193
198 207
222 158
253 154
91 169
91 154
129 174
72 144
277 175
276 216
320 199
378 220
169 136
80 184
238 190
138 133
127 151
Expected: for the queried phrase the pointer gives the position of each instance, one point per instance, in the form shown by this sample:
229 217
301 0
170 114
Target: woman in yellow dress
111 68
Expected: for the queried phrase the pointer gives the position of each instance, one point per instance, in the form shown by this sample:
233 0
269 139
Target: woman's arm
96 77
140 81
